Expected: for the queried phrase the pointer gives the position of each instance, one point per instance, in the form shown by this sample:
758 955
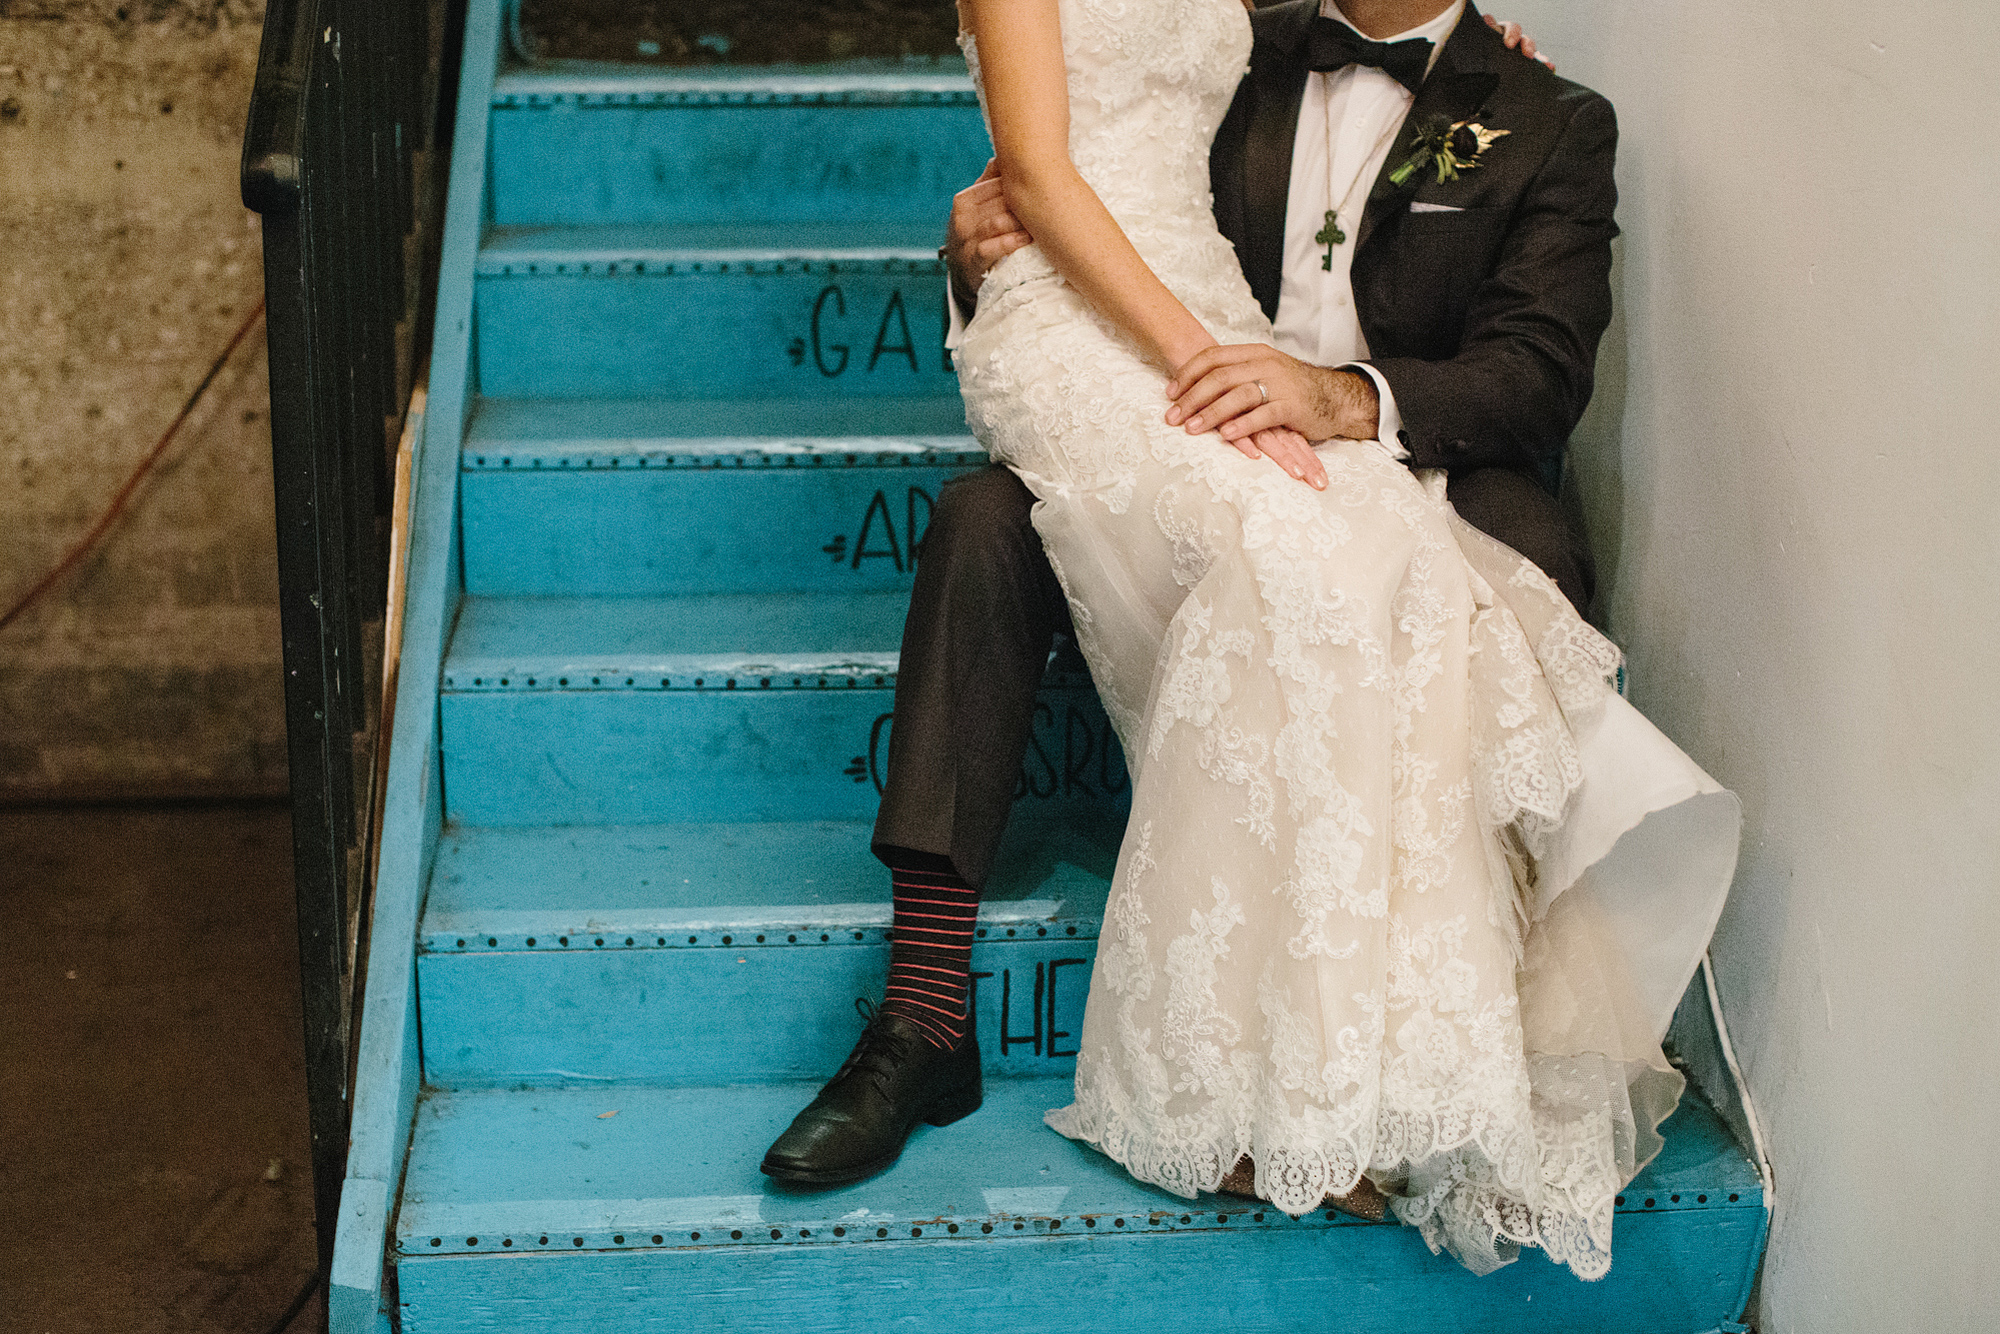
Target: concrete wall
1793 478
126 261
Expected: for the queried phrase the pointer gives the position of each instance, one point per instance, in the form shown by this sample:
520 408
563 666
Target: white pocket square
1419 206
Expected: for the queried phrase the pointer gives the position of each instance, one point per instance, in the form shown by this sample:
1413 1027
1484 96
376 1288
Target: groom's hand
982 232
1217 390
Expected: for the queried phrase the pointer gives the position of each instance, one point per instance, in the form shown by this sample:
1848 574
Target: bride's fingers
1289 450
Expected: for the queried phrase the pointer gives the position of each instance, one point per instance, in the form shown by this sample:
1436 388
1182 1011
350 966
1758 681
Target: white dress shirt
1347 123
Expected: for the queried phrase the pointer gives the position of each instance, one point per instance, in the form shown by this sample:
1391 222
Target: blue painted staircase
688 411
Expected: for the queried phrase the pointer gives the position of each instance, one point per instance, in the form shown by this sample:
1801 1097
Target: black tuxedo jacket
1485 322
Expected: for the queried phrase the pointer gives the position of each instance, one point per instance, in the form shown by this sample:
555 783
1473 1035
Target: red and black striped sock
930 961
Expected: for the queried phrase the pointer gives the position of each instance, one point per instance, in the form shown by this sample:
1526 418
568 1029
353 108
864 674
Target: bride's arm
1027 103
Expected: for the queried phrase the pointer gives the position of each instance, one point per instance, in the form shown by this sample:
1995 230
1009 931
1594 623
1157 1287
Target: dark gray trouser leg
984 611
1515 509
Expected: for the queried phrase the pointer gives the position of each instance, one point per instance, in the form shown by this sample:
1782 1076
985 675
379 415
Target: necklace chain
1331 234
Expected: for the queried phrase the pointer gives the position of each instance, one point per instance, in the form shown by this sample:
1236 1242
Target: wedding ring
1262 390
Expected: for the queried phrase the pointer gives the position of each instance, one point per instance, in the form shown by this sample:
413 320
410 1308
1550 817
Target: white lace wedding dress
1386 904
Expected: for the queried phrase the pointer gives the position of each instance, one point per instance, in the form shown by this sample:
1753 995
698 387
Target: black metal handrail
343 154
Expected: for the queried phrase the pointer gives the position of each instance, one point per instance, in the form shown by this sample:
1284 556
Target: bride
1376 920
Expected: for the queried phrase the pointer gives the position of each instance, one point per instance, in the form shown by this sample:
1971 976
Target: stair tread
494 1167
860 80
530 432
511 640
502 884
708 242
752 871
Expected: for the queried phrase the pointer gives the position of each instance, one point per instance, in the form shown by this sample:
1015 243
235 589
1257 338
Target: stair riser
676 531
612 756
568 164
1674 1272
680 1017
855 328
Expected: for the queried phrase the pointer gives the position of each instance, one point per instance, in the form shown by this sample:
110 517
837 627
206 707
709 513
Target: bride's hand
1511 34
1244 388
1289 450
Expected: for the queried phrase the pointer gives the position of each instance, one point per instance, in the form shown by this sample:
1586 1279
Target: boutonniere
1450 146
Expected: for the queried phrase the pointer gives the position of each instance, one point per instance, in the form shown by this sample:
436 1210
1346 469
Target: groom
1426 218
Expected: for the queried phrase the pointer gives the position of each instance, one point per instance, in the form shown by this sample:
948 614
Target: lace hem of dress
1472 1186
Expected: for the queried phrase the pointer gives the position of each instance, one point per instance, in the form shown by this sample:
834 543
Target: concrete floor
150 1073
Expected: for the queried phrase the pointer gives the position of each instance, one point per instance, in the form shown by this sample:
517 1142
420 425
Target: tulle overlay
1352 723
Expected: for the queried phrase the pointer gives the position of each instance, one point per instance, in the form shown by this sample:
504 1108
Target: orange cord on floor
117 506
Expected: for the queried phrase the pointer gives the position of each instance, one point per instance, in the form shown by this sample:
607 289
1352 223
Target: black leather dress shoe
857 1124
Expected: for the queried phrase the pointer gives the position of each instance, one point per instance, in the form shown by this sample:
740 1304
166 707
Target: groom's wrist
1356 407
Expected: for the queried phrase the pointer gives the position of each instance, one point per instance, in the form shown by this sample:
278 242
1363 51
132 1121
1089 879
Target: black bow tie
1333 45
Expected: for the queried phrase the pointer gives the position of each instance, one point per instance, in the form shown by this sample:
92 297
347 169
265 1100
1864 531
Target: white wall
1792 476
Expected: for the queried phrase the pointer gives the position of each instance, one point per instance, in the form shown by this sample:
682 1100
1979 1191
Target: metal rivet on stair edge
543 1242
805 1232
1675 1198
1619 1200
728 940
507 1241
691 940
953 1227
735 1234
824 937
760 940
461 944
840 1232
1041 931
1090 1222
1019 1226
531 942
562 940
792 939
619 1239
495 940
576 1241
776 1233
1118 1222
1649 1204
1054 1223
628 940
881 1231
1222 1218
600 942
657 1238
437 1241
694 1236
985 1227
472 1241
1701 1199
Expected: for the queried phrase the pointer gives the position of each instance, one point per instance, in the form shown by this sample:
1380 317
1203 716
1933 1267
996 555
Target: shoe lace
880 1052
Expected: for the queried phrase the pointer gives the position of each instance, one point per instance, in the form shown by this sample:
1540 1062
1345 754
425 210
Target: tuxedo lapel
1277 82
1461 81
